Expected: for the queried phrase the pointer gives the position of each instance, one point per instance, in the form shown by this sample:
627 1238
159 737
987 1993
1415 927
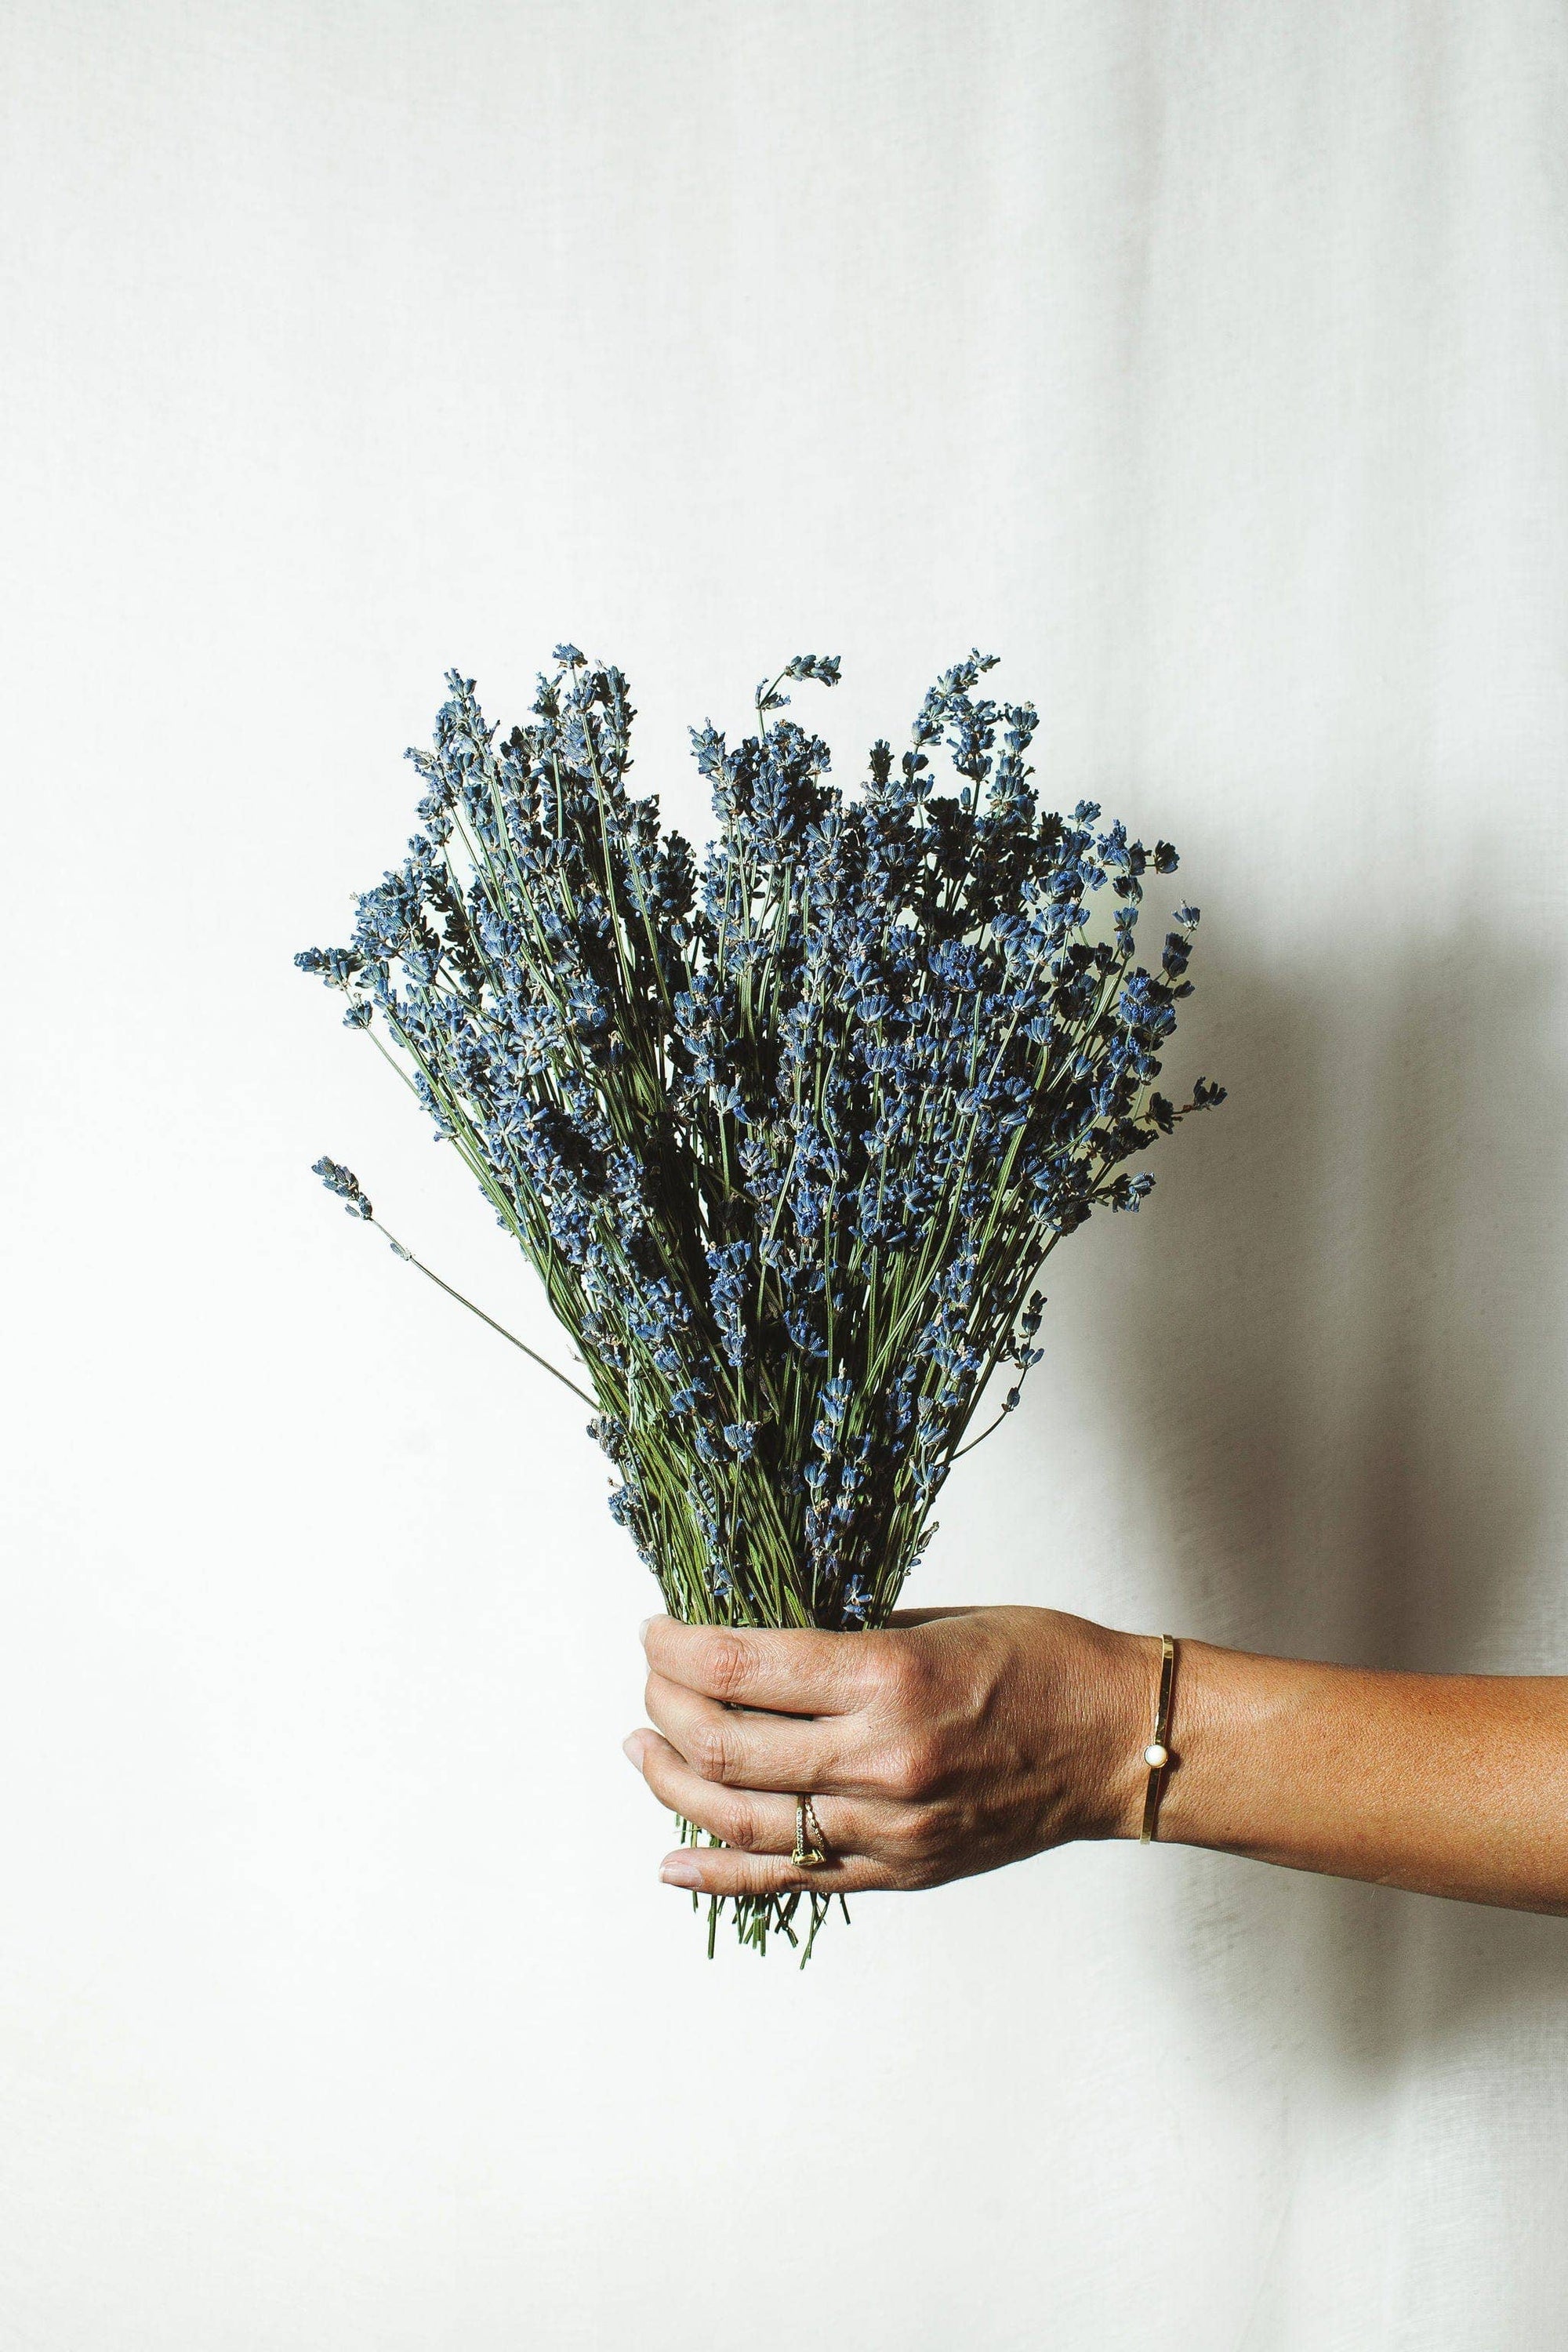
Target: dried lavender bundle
787 1134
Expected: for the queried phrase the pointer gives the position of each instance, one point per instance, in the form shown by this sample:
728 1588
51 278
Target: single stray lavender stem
342 1182
521 1345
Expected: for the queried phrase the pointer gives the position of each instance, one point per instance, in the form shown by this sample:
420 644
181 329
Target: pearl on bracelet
1156 1757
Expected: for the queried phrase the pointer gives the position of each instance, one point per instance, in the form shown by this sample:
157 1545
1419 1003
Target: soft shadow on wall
1343 1375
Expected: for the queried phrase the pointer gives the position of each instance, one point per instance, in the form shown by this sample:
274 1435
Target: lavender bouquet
787 1132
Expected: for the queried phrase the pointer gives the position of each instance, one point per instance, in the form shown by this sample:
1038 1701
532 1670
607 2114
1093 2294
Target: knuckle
909 1770
900 1674
741 1827
727 1659
711 1752
917 1833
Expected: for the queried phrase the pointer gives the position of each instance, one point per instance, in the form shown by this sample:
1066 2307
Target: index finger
794 1673
903 1618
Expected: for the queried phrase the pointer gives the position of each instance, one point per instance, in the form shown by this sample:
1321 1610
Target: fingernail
632 1746
681 1871
642 1628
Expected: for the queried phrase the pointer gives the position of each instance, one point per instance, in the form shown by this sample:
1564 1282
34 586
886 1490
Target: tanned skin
960 1739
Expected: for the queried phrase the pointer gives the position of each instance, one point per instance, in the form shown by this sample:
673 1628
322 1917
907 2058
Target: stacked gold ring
810 1845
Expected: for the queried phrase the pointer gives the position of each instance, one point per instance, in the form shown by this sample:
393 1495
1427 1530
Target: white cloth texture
1205 362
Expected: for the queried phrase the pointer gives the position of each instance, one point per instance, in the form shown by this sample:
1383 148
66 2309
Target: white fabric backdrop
1207 362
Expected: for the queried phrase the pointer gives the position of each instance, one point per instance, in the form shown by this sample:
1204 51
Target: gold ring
806 1826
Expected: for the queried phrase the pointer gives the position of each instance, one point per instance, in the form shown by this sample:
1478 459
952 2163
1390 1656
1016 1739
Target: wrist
1127 1680
1232 1715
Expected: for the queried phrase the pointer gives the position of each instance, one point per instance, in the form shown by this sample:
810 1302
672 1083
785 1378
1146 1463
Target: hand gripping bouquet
787 1132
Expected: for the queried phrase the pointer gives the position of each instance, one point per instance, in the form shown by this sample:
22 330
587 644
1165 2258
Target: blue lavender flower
345 1184
789 1126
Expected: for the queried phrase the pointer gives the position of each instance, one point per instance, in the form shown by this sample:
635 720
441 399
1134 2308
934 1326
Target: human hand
954 1741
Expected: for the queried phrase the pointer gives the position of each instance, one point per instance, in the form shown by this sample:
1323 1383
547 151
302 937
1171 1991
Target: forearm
1448 1784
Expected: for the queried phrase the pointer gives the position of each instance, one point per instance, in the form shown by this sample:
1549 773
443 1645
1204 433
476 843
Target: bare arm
959 1740
1449 1784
